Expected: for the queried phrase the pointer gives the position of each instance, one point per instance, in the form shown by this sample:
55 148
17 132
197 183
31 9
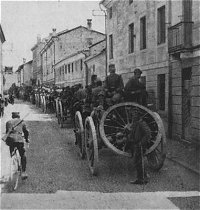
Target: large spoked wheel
117 122
156 154
79 133
15 171
45 104
61 119
91 145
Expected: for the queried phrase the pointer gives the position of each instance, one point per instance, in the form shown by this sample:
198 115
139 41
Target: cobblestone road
54 166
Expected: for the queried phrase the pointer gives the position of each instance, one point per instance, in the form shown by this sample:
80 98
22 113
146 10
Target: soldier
96 91
139 139
15 138
93 81
135 90
113 85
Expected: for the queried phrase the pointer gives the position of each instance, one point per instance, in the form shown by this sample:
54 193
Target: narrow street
55 168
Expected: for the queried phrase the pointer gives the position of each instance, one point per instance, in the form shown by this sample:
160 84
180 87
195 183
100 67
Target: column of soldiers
113 91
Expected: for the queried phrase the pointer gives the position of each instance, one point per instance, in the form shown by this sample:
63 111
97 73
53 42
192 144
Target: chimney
38 38
89 24
54 31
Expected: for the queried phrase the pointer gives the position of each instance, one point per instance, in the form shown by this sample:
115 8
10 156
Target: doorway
186 103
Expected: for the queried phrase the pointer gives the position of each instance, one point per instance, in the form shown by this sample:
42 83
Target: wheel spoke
119 116
113 127
126 114
115 121
111 134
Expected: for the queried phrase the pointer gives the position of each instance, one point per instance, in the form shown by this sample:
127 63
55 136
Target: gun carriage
110 128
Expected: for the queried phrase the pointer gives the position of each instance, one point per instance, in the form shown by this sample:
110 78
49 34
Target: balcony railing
180 37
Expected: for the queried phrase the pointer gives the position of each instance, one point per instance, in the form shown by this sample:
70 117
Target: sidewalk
185 154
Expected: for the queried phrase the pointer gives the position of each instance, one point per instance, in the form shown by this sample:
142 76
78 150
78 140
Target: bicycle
16 168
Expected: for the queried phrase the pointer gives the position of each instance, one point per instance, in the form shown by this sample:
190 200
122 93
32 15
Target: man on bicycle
17 130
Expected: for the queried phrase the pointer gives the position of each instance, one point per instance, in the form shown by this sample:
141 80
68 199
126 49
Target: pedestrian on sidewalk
16 129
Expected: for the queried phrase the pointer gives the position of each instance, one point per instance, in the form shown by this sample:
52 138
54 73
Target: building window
110 12
161 25
65 69
130 1
93 68
161 91
68 68
143 33
131 38
72 67
81 64
111 46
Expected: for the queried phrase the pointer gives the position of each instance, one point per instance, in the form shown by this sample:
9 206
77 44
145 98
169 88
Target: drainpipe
105 16
170 121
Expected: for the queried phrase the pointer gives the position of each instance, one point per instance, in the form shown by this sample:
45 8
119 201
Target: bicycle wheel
15 170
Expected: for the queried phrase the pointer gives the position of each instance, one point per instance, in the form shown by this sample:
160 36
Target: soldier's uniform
113 84
15 138
140 136
135 90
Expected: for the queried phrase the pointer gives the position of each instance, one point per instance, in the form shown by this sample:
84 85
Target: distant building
10 78
62 46
2 40
96 61
37 63
28 73
70 70
25 74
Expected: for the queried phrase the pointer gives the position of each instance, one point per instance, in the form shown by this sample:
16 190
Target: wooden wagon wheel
57 108
42 103
91 145
58 111
118 119
79 133
45 104
156 154
61 113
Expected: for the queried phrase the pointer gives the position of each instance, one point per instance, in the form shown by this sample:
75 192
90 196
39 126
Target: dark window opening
161 25
68 68
111 46
81 64
110 12
143 33
131 38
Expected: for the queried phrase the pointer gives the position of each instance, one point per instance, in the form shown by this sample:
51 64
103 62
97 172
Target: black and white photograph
100 104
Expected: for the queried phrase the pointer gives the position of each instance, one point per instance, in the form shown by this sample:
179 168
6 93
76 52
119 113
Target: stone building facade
132 40
70 70
37 63
10 78
184 70
28 73
138 35
96 61
63 45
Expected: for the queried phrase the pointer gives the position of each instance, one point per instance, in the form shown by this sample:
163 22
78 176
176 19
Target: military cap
112 66
15 114
137 71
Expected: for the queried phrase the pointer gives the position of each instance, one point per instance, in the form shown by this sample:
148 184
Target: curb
185 165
